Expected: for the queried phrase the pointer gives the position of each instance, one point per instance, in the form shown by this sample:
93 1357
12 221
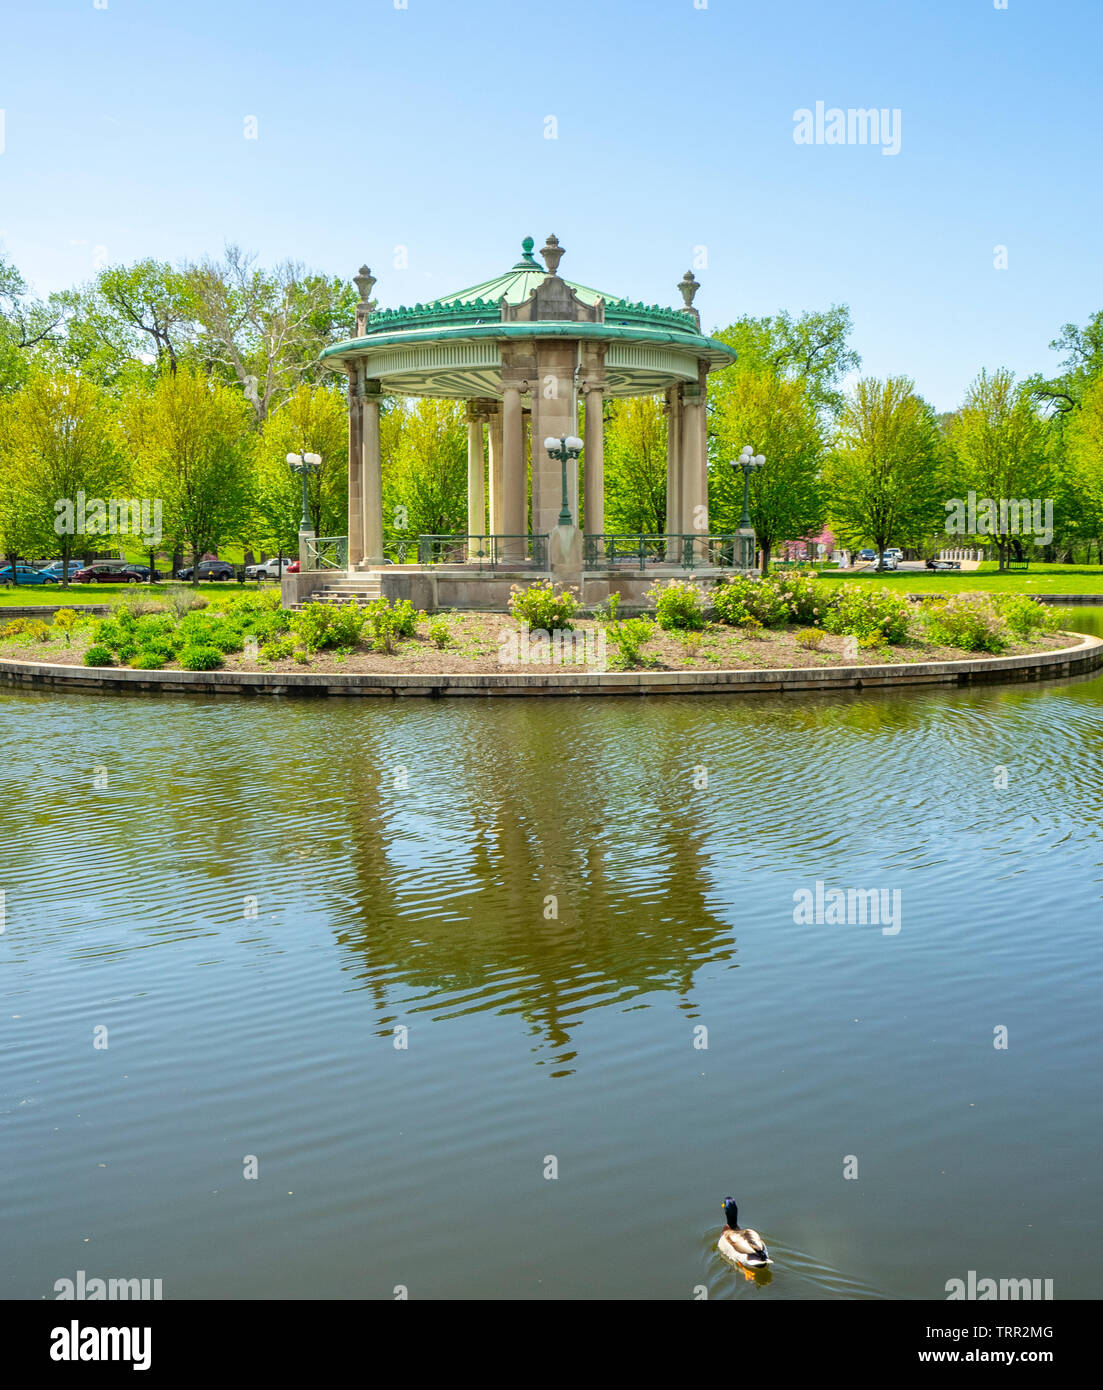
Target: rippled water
402 857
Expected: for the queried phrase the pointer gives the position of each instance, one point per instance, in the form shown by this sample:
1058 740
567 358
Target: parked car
271 568
866 555
26 574
54 569
142 571
896 553
208 569
889 560
293 567
106 572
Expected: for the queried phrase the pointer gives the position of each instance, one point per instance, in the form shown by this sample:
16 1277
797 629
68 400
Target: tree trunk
766 549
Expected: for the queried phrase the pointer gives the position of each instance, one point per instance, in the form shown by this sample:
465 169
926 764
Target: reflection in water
263 892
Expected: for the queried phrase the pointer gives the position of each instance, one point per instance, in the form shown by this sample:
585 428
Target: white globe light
760 459
292 458
574 442
747 451
551 444
312 458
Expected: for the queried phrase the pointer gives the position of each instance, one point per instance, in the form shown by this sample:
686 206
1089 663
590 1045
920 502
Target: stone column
593 459
356 473
476 475
674 474
695 518
495 471
372 475
513 471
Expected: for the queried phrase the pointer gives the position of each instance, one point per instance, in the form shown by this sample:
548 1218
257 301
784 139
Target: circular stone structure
525 349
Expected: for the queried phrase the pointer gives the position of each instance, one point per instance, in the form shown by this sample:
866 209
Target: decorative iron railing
327 553
638 549
488 552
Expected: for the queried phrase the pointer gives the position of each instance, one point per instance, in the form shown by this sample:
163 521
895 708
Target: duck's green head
731 1211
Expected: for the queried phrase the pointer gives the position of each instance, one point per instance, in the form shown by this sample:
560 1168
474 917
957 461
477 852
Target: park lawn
1039 579
27 595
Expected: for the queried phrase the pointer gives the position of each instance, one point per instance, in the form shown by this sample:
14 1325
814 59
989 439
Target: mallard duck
740 1244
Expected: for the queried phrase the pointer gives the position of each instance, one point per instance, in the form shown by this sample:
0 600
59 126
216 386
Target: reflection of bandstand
525 350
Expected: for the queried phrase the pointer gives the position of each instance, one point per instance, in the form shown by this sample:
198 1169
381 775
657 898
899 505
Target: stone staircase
359 588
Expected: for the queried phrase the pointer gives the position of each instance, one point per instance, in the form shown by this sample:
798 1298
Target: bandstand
529 352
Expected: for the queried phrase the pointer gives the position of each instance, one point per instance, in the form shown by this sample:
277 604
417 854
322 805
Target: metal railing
639 549
488 552
327 553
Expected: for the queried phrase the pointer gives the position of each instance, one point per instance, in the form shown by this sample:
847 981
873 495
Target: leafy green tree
424 469
635 465
883 476
777 416
27 325
192 442
1084 442
58 438
1000 446
813 348
313 419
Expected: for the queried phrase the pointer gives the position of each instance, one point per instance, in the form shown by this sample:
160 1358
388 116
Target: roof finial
689 287
528 261
552 253
363 282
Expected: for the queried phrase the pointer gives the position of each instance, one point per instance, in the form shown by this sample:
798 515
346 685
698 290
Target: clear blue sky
424 127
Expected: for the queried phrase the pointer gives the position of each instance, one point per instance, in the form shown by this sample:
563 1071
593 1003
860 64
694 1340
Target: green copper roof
481 304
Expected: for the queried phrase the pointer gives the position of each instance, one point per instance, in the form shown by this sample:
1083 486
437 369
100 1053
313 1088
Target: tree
777 416
1083 349
1084 443
425 470
812 348
883 476
26 323
1000 447
267 329
58 440
192 444
635 465
313 419
143 315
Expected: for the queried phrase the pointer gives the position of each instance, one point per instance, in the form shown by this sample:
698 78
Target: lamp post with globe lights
567 446
748 462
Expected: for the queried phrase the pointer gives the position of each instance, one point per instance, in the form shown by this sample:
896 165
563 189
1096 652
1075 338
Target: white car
269 569
894 553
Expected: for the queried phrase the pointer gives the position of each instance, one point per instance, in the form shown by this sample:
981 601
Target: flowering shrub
747 596
971 622
863 612
629 635
678 605
1025 615
542 606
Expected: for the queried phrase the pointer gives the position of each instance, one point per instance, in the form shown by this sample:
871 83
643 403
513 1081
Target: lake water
402 857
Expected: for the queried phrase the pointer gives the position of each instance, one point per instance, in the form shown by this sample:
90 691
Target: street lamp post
567 446
304 464
749 462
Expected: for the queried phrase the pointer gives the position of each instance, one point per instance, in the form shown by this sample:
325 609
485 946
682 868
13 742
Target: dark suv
209 569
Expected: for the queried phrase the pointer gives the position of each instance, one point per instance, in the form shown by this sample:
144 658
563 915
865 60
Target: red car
107 572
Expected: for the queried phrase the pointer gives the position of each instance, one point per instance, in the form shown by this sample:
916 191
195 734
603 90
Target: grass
27 595
1039 579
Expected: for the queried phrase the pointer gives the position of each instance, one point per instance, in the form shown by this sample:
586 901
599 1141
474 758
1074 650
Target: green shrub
127 652
279 649
1025 616
606 612
147 661
748 596
750 627
859 610
679 606
200 658
440 633
303 658
971 622
629 636
98 656
65 619
106 633
541 605
811 637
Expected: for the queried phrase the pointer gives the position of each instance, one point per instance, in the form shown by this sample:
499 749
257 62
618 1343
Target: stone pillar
694 453
495 471
513 471
674 474
554 414
593 455
356 473
476 475
372 477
